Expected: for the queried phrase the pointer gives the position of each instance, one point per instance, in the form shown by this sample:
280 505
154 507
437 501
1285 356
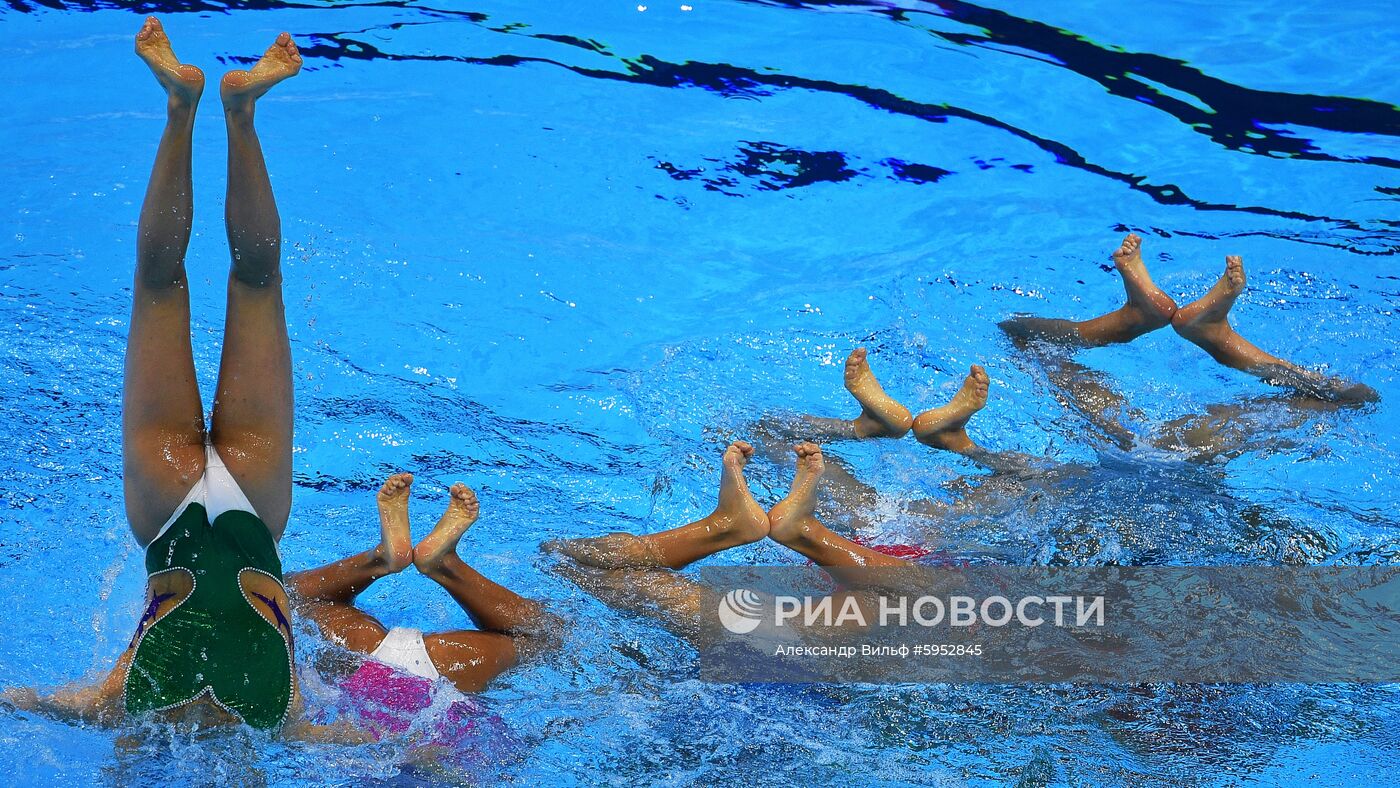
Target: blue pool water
562 254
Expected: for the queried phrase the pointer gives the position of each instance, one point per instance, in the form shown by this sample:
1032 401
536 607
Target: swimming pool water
562 252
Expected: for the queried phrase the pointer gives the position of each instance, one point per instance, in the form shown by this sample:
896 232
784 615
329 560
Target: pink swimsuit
392 703
907 552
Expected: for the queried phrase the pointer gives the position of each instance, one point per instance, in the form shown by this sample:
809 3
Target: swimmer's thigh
162 418
348 626
470 659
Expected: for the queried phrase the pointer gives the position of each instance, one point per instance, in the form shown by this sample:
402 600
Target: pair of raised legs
882 416
1204 323
163 428
636 571
510 626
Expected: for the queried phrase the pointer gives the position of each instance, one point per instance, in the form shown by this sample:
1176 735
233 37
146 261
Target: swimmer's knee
1358 394
345 626
1014 327
155 278
298 586
546 636
1026 330
470 666
257 274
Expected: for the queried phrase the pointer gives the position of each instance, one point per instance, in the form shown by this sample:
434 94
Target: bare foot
1206 323
1207 318
738 514
182 83
788 520
462 511
945 427
880 416
1150 307
241 88
395 544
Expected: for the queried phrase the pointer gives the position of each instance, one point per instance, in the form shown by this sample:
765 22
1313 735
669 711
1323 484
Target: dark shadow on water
1235 117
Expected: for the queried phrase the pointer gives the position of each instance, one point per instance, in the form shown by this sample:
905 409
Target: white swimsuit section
216 491
403 648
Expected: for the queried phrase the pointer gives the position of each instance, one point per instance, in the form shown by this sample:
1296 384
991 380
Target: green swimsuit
214 642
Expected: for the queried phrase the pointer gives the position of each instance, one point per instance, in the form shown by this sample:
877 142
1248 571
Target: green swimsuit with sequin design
214 643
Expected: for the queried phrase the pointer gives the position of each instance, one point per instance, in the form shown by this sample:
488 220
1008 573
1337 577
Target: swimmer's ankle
727 529
378 560
239 115
388 562
955 440
180 109
444 565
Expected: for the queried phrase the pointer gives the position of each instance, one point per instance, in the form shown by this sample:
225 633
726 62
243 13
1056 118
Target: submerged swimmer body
388 694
